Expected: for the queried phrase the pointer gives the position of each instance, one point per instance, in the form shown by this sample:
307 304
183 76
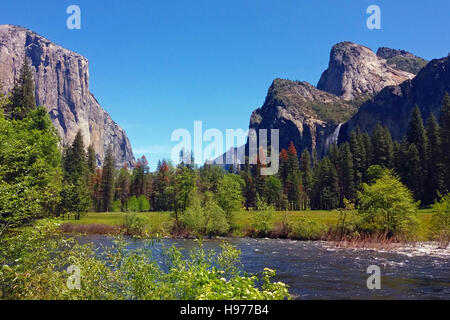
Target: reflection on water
316 270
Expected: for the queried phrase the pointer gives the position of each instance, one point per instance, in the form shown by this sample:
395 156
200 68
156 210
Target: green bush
205 219
387 206
30 169
349 222
143 204
194 217
31 260
307 229
134 223
117 206
262 222
132 204
440 222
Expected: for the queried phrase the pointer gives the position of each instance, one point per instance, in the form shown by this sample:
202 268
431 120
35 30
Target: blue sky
156 66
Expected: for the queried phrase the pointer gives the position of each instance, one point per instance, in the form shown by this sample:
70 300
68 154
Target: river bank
162 223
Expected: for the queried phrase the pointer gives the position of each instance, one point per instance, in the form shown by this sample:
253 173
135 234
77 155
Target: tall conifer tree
107 182
444 122
434 179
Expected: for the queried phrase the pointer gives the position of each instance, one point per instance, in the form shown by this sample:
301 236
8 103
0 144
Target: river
318 270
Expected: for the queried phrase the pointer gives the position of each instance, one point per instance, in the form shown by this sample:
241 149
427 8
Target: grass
162 222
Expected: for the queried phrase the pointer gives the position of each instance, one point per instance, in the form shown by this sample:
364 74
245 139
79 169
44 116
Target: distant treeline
421 161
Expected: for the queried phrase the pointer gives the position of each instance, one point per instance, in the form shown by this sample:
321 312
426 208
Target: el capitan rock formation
62 86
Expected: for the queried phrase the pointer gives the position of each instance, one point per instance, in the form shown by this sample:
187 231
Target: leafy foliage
30 169
31 269
441 221
388 206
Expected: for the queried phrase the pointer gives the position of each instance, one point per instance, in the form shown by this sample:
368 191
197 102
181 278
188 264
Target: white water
333 138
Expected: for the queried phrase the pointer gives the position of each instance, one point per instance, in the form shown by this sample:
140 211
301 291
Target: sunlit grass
162 222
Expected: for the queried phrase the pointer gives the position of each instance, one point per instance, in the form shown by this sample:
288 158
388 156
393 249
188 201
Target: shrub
440 222
117 206
134 224
205 219
143 204
349 222
31 260
216 219
132 204
194 217
262 218
307 229
229 194
387 206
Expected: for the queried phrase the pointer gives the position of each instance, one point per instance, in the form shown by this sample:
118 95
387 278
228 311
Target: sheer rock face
62 86
356 71
392 107
303 114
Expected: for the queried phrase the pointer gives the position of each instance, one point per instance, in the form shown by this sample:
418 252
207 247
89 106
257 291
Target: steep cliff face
62 86
392 107
355 71
302 113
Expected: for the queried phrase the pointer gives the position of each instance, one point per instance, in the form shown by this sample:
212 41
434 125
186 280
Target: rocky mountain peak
302 113
402 60
62 86
355 70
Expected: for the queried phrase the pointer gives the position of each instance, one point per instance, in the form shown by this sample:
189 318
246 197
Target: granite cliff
355 71
315 117
392 107
62 86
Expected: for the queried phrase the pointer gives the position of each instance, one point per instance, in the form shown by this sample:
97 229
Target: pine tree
359 157
294 186
283 171
22 97
346 174
163 191
74 159
140 172
414 171
416 135
401 158
75 196
444 122
92 159
123 187
250 193
325 194
258 178
434 179
382 147
307 176
107 182
293 164
368 149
